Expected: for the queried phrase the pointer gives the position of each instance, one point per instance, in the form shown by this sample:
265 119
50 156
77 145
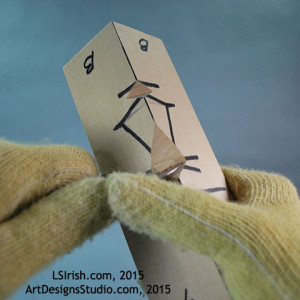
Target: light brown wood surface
165 156
118 98
138 90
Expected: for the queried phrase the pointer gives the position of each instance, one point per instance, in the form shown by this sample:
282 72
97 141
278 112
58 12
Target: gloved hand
38 221
254 240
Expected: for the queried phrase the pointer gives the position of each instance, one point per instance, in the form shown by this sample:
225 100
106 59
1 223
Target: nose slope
166 159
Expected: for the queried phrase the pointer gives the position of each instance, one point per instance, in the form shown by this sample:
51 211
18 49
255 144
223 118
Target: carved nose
166 159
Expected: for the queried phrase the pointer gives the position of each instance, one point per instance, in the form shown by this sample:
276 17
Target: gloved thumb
169 211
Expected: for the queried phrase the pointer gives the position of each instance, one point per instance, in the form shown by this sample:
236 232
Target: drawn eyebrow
192 168
150 84
215 189
192 157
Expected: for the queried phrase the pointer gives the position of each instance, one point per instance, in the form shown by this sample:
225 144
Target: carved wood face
124 85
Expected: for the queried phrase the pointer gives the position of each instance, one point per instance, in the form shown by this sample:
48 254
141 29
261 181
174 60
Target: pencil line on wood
133 134
215 189
134 104
192 169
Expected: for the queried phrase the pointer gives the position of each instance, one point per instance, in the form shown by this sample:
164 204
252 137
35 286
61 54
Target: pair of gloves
52 200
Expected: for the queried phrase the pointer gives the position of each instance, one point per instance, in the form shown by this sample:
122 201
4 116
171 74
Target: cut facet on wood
165 156
138 90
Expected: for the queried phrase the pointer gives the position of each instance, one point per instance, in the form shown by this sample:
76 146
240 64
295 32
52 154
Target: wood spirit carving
138 118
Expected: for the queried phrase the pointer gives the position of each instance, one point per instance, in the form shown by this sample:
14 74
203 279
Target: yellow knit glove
255 240
38 221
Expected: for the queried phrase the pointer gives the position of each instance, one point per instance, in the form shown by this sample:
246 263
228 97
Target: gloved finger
191 219
49 228
28 172
258 188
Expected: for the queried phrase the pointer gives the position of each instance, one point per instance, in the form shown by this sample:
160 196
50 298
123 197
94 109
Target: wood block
111 79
